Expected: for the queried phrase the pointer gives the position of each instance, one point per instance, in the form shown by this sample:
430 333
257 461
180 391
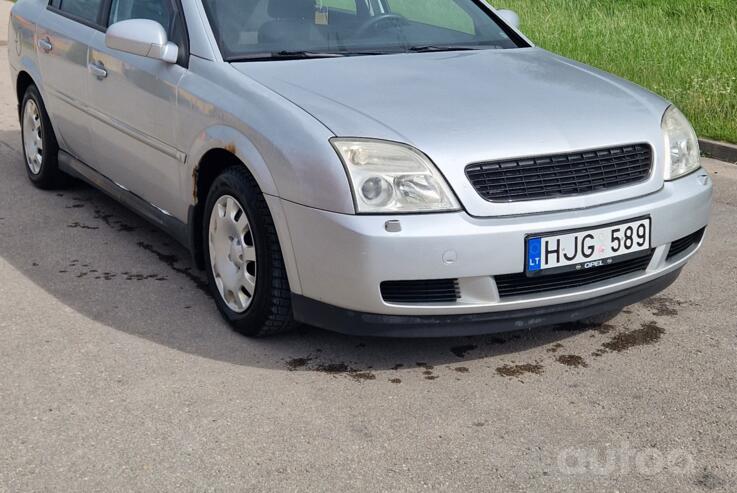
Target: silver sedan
385 167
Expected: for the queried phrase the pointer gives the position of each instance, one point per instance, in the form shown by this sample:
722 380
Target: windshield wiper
431 48
285 55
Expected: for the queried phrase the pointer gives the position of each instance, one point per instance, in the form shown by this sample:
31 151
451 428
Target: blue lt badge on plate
534 250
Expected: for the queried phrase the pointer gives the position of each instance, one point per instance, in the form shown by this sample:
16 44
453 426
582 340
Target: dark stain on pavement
84 270
297 363
113 223
171 261
649 333
555 348
662 306
336 369
81 226
362 375
333 368
605 329
572 360
513 371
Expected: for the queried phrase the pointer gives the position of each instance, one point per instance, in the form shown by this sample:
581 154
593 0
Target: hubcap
32 137
232 254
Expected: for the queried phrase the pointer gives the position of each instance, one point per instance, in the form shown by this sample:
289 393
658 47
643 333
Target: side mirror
510 17
142 37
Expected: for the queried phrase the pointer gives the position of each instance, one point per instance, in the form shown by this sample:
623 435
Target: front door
133 101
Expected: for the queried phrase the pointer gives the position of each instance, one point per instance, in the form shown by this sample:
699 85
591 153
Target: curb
719 150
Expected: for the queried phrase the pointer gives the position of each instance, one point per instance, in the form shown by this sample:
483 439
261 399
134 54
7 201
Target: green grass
684 50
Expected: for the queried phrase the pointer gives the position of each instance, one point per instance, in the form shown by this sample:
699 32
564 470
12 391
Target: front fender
286 149
231 140
227 138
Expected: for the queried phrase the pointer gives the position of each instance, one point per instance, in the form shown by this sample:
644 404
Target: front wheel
40 148
245 268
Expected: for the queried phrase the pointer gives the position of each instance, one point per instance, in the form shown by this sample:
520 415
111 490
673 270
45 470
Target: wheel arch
27 72
228 148
22 83
27 75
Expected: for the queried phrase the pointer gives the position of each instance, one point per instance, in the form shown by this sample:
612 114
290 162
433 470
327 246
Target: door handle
97 69
45 45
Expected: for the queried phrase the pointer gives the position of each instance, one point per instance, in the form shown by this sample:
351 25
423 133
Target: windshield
276 29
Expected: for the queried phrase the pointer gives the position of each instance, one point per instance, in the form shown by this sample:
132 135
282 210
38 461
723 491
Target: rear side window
85 10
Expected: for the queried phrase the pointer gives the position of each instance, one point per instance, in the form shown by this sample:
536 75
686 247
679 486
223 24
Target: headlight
682 155
391 177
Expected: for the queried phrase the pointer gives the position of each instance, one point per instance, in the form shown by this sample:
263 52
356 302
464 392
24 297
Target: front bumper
355 323
341 260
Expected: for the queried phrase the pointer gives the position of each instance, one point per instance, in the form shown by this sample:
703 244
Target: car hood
472 106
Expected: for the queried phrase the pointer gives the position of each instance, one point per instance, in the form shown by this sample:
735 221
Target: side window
160 11
445 14
86 10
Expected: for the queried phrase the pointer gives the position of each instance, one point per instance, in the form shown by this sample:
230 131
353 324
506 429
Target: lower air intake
686 243
426 291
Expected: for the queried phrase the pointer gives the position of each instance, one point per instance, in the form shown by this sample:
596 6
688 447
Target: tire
269 309
40 149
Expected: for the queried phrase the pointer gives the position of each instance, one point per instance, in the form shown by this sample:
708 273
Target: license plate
587 249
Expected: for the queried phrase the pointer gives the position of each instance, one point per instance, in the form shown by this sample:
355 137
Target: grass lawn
684 50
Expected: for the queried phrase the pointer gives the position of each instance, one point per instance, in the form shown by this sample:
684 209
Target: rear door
134 105
63 34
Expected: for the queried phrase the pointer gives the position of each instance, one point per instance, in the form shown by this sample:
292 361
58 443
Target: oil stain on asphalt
84 271
112 222
572 360
334 369
297 363
620 340
343 369
649 333
515 371
663 306
171 261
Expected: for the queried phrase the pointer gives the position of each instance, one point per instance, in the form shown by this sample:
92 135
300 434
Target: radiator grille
561 175
519 284
426 291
